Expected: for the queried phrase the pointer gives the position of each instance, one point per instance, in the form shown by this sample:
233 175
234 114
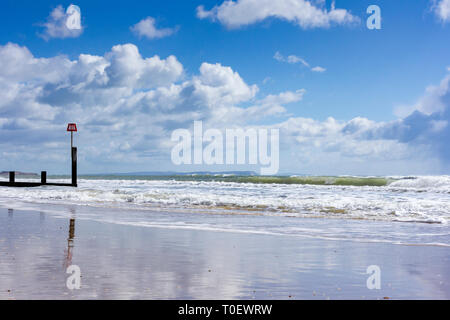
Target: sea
412 210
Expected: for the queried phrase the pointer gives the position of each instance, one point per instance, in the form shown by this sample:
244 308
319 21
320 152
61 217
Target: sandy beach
225 150
124 261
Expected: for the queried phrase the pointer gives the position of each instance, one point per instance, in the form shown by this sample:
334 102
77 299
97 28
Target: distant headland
19 173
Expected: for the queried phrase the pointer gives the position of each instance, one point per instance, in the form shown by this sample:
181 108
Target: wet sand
131 262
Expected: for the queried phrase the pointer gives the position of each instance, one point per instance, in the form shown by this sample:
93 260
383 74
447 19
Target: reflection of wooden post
44 177
70 243
12 176
71 231
74 166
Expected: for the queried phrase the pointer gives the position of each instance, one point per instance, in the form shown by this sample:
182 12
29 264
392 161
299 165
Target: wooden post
44 177
74 166
12 176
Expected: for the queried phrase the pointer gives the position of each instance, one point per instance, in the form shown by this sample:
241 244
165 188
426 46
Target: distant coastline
19 173
175 173
241 177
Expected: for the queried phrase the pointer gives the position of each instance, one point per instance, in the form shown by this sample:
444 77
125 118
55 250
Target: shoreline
327 227
120 261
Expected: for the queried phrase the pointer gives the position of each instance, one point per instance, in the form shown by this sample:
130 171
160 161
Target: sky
347 99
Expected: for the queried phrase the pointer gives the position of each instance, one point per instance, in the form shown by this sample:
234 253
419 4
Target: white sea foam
438 184
418 199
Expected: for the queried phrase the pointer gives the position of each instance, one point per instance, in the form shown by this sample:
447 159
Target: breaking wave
404 199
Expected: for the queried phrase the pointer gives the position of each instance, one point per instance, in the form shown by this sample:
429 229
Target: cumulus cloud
273 105
428 122
442 9
416 143
358 146
436 98
147 28
126 67
125 104
304 13
424 133
293 59
218 85
63 23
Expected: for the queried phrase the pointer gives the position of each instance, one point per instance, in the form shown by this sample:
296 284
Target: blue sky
378 77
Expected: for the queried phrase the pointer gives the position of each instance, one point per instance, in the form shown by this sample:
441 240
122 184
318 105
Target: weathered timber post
72 127
12 176
74 166
43 177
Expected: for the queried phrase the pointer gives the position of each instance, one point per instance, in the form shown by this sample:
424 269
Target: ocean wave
427 183
418 199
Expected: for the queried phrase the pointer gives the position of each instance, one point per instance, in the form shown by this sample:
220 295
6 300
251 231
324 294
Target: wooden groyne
13 183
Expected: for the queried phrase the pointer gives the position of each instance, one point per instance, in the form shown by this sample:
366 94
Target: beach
123 259
225 150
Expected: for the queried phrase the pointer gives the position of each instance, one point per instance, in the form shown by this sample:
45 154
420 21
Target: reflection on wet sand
117 262
70 243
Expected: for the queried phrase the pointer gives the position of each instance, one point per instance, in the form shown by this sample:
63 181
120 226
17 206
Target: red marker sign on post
71 127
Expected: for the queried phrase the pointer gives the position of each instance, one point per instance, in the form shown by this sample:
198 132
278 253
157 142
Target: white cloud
147 28
279 57
272 105
417 143
318 69
128 68
442 9
283 97
217 83
18 64
358 146
266 80
293 59
63 23
126 106
438 125
435 99
304 13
